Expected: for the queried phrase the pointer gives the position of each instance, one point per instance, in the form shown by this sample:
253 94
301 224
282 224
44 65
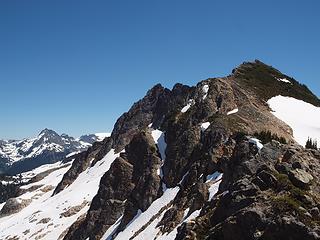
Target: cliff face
227 186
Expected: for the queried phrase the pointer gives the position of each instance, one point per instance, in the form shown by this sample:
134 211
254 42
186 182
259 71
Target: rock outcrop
14 205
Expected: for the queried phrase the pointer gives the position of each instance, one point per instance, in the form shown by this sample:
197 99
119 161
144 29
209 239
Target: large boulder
300 178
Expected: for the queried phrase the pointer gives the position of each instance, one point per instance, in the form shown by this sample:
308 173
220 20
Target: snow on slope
158 137
205 90
144 224
143 218
48 216
186 108
302 117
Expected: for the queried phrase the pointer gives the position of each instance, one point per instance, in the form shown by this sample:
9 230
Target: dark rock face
108 205
270 193
132 183
142 154
139 117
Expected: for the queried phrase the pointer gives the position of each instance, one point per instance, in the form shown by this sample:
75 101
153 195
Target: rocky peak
140 115
225 184
47 132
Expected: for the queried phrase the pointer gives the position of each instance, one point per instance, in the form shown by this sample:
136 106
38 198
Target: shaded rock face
108 205
139 116
132 183
266 194
142 154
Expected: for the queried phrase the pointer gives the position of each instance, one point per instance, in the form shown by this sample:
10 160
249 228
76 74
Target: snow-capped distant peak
48 144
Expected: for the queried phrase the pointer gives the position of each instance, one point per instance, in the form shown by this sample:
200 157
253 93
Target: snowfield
302 117
48 216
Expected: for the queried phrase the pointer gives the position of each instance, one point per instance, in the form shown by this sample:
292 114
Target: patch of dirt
47 188
73 210
44 221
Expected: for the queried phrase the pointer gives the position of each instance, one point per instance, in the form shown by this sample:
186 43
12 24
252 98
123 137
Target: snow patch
283 80
256 142
233 111
205 90
73 153
302 117
204 126
214 177
214 187
111 230
158 137
186 108
143 218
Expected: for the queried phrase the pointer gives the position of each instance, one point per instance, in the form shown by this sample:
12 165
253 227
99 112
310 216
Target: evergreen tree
311 144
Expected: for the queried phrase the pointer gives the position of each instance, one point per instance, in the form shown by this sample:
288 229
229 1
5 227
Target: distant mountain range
48 147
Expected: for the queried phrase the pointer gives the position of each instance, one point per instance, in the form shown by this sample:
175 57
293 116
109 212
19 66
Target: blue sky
76 66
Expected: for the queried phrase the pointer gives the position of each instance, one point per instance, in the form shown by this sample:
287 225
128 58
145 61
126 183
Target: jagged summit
212 161
47 131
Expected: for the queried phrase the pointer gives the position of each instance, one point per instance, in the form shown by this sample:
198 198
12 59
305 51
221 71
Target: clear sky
76 66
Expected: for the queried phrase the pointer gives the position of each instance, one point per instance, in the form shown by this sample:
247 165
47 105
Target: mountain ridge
16 154
185 163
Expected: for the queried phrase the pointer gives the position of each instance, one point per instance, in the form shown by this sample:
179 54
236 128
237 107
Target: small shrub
286 204
268 136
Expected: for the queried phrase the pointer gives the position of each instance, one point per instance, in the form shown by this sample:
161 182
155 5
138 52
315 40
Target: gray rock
300 178
14 205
